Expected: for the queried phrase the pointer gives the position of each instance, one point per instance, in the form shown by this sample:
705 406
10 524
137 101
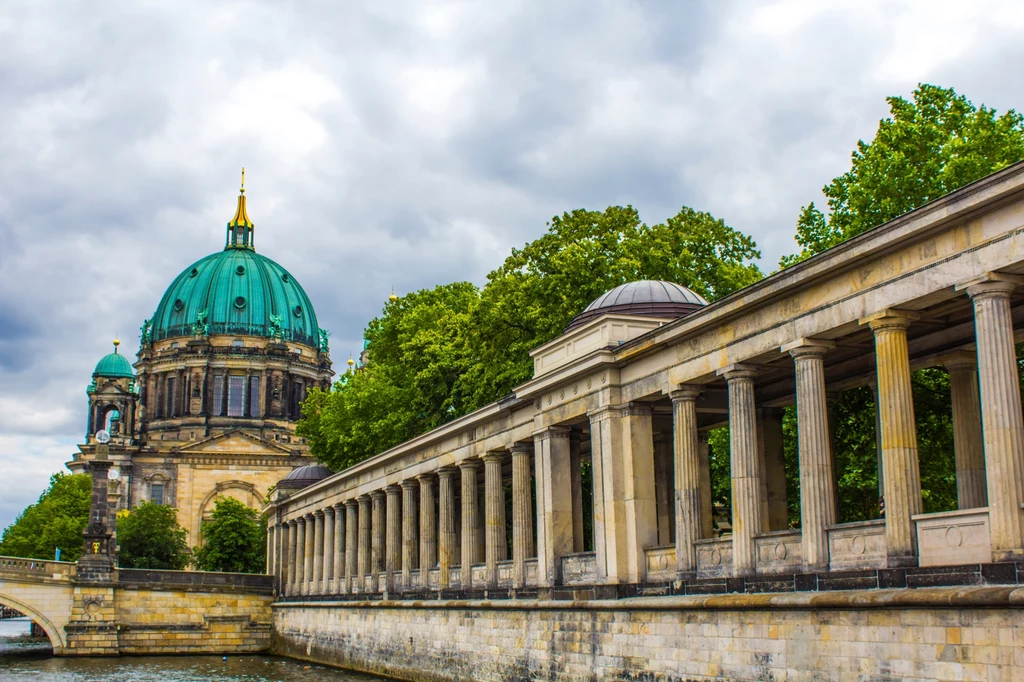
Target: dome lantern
240 228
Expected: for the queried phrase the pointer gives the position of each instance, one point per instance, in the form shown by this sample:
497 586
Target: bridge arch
54 632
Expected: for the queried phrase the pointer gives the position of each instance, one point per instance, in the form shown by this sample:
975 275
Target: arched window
112 420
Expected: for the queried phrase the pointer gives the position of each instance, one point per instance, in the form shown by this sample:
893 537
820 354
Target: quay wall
879 635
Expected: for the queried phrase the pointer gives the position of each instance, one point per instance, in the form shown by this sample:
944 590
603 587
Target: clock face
102 436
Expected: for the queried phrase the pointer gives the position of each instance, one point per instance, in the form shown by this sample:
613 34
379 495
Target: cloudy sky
408 143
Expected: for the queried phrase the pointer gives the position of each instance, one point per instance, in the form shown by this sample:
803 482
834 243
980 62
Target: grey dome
651 298
303 476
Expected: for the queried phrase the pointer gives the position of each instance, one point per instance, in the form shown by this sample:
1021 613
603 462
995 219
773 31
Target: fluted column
393 544
606 439
689 523
522 512
817 488
377 535
300 554
1001 418
494 511
428 528
352 546
470 521
288 554
315 585
554 502
308 553
364 541
410 541
967 442
271 539
328 567
446 509
902 474
338 563
746 478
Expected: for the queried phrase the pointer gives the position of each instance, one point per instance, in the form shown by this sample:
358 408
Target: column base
901 562
1000 556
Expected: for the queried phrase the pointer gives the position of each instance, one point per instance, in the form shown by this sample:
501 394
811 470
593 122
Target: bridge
139 611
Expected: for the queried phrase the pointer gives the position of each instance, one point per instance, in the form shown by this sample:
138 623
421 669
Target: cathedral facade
209 408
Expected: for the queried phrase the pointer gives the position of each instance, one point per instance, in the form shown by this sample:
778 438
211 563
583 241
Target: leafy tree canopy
928 147
56 520
234 539
149 537
440 353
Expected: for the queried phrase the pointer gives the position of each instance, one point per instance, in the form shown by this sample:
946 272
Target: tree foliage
929 146
149 536
440 353
234 539
56 520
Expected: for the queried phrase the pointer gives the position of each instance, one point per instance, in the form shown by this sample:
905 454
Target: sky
405 144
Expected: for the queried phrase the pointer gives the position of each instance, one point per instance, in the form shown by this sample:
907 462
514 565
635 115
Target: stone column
641 511
746 477
428 528
664 488
470 521
554 502
338 563
308 552
606 438
967 443
707 509
393 546
328 568
315 586
364 541
689 521
288 558
446 508
576 466
1001 419
772 457
352 547
494 503
271 539
300 555
377 534
817 488
902 484
522 512
410 541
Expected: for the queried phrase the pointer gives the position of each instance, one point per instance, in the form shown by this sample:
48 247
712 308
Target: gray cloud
407 144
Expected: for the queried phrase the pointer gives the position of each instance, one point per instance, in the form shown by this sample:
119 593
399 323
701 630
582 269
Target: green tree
55 521
234 539
149 537
928 147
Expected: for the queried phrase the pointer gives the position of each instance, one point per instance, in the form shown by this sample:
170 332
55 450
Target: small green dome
114 366
237 292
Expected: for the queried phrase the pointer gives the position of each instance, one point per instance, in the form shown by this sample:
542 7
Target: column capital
364 498
377 495
807 347
738 371
890 318
686 393
291 522
991 283
328 510
393 489
961 359
702 437
556 431
603 413
319 514
447 472
469 464
637 409
521 448
426 479
409 484
493 456
338 506
351 503
310 516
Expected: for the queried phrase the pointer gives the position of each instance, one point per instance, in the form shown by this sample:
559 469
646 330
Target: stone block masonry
972 633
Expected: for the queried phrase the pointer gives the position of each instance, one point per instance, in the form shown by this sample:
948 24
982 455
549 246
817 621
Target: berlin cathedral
209 408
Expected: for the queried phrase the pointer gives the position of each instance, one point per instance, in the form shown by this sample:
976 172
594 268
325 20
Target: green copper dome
236 291
114 365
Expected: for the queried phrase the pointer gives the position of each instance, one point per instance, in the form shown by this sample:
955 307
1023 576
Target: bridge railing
36 567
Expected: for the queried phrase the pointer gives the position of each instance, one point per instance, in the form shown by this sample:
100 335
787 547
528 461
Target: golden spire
117 342
392 297
241 218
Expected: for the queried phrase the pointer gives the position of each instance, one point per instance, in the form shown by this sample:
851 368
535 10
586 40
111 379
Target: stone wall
927 634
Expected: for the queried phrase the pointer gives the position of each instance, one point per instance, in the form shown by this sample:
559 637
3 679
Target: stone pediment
235 442
111 388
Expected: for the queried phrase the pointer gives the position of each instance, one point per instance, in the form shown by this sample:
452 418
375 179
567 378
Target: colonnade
412 534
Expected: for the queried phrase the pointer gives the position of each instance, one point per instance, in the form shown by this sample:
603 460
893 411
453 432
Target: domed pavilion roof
653 298
237 292
114 366
304 476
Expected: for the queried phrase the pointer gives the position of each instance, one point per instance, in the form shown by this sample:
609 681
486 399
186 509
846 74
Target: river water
28 659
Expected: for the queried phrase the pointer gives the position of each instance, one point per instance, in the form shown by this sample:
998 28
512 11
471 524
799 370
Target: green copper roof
239 292
114 365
